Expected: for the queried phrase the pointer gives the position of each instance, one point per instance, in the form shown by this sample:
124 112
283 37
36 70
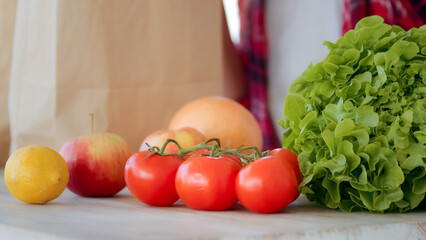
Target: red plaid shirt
254 54
405 13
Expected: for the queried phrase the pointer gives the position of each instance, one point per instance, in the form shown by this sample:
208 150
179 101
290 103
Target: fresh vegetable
206 152
204 177
198 153
288 156
266 185
208 183
150 177
356 120
291 158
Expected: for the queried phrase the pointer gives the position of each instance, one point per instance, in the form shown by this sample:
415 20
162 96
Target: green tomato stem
215 150
161 152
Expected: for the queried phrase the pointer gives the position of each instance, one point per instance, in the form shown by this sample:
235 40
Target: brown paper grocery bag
132 63
7 23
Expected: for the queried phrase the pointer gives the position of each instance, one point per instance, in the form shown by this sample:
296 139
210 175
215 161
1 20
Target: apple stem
92 116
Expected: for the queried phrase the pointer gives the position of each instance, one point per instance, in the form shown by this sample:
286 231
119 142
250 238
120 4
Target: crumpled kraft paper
132 63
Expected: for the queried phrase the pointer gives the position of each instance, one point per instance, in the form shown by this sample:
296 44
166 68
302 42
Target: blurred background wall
7 23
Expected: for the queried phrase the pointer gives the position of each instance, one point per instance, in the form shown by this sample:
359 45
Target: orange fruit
220 117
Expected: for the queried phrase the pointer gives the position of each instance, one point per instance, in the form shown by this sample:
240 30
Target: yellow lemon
36 174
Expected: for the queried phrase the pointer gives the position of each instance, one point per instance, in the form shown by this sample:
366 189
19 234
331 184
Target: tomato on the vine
290 157
266 185
206 153
150 177
198 153
208 183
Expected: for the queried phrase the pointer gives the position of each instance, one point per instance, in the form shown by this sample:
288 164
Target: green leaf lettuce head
356 120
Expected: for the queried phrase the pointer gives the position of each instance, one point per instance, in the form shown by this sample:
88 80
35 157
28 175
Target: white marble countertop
124 217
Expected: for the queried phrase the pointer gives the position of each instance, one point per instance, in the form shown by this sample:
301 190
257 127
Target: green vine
245 154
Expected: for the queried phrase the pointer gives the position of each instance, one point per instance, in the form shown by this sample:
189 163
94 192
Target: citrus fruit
220 117
36 174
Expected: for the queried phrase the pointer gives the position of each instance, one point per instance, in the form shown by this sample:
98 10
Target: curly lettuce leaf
357 120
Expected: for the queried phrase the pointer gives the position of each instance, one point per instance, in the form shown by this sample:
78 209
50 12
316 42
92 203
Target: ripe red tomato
266 185
289 157
152 179
208 183
198 153
206 152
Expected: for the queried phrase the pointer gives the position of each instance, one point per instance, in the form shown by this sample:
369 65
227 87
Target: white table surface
124 217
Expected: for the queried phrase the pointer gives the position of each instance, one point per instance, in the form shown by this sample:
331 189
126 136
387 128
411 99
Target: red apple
96 164
186 137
